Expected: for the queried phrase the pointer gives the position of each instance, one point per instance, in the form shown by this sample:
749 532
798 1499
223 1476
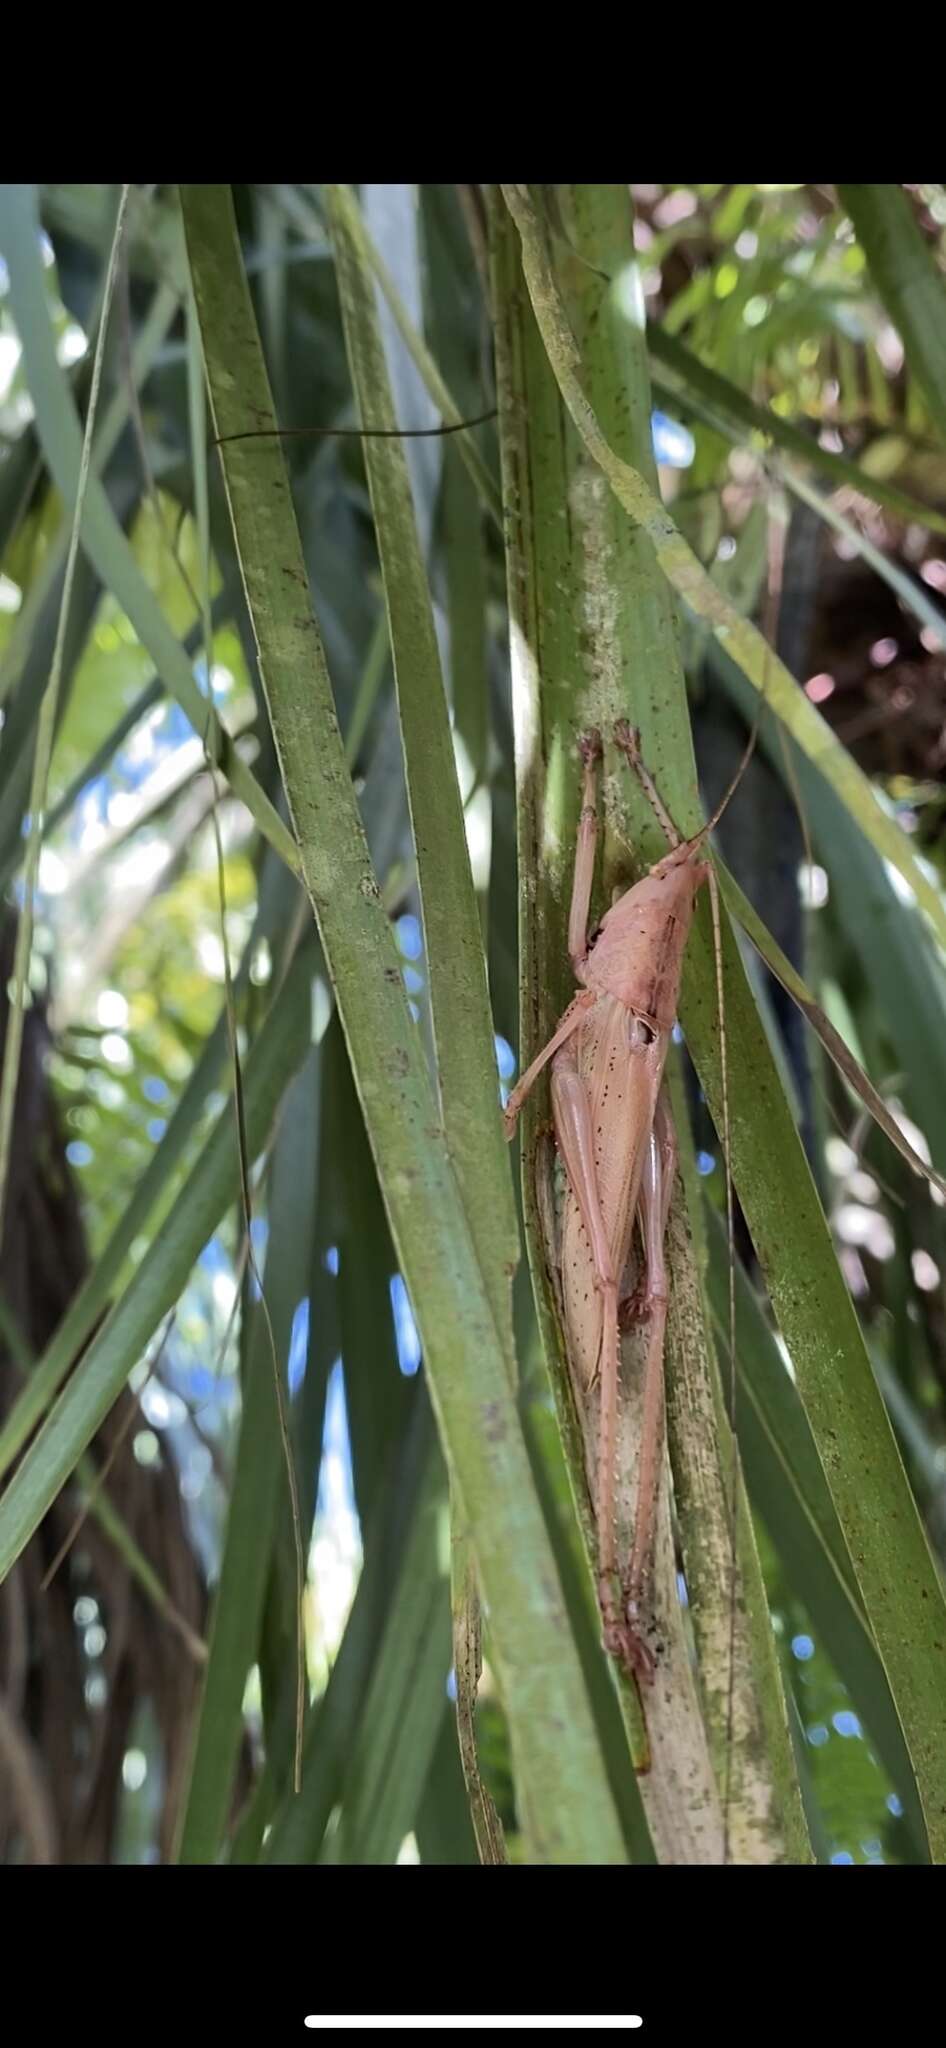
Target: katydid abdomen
605 1088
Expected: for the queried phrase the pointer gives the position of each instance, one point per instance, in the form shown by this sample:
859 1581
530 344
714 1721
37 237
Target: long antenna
724 801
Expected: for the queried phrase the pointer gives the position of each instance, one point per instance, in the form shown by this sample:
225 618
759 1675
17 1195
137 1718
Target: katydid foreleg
590 746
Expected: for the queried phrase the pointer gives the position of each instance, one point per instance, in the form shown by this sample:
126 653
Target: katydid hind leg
635 1307
573 1127
655 1197
575 1138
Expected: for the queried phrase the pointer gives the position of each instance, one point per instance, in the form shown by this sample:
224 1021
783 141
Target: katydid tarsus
614 1131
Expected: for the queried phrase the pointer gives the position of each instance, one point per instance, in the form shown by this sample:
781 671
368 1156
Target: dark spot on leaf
494 1423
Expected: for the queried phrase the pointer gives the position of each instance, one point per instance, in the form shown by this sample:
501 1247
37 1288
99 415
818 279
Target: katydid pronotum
614 1131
